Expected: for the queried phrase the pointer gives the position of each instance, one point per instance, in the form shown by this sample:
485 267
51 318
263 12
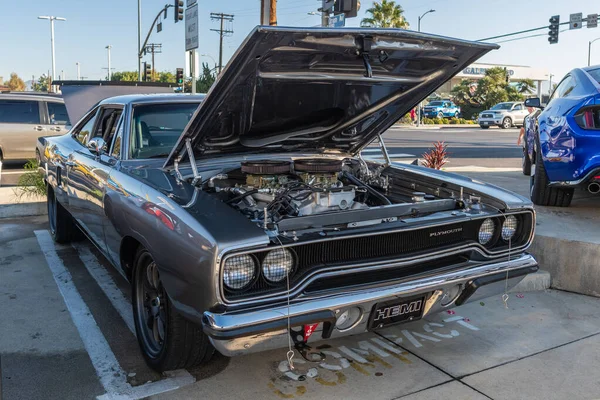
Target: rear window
58 114
595 73
19 112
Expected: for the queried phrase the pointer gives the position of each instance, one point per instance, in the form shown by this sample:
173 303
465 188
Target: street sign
592 20
575 21
337 21
191 28
191 3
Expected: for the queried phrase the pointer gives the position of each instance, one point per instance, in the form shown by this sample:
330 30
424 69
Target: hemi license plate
395 311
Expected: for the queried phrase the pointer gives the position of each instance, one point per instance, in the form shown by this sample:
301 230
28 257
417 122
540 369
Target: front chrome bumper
251 331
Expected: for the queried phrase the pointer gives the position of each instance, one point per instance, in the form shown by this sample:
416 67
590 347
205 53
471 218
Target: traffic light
147 72
178 14
179 76
348 7
553 32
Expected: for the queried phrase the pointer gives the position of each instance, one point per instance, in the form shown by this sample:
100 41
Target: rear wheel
62 228
543 195
506 123
167 340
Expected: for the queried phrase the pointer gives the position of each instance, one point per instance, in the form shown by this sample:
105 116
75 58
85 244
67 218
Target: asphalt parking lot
66 333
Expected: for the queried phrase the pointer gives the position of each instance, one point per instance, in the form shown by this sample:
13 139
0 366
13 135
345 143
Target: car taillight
588 118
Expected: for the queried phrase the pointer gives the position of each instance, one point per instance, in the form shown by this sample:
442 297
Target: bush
437 157
31 183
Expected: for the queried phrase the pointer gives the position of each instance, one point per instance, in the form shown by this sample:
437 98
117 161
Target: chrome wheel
151 306
506 123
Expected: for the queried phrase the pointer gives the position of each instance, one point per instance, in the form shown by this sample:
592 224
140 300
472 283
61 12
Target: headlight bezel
251 282
294 259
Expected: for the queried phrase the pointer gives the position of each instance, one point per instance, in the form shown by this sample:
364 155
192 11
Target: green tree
206 80
525 86
386 14
125 76
15 83
166 77
42 84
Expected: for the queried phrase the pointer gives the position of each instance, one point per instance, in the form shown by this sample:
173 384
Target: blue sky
91 25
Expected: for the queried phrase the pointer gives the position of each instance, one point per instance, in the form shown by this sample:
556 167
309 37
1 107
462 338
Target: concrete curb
572 264
541 280
17 210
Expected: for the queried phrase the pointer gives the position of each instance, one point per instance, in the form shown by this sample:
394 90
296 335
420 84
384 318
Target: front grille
342 253
487 116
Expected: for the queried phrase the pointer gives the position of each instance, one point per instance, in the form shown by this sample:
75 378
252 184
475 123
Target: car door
88 173
56 118
20 126
519 112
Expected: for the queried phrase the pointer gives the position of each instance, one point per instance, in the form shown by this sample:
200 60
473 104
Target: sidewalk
437 126
12 207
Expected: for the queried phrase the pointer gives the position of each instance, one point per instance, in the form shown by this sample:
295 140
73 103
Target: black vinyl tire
440 115
62 228
543 195
184 344
525 161
484 126
506 123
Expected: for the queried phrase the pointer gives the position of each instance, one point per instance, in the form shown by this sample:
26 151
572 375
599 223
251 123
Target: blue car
562 142
441 109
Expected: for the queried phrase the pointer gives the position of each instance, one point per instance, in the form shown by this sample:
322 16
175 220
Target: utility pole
222 32
273 13
52 19
268 12
590 50
139 46
153 48
78 71
109 70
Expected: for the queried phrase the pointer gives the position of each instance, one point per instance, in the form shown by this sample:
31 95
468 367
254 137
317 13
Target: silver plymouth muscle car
252 221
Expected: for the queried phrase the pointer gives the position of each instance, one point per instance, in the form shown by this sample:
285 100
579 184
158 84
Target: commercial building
476 71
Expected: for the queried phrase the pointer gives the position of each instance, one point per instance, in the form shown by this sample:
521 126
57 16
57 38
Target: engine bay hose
372 191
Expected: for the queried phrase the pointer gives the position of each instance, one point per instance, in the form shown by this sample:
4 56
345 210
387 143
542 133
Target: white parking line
106 283
377 150
475 168
109 371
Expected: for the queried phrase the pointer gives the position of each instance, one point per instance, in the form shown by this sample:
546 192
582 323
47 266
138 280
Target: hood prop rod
384 151
367 41
197 179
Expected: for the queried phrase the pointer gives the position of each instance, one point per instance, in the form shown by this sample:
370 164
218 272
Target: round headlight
239 271
277 265
486 231
509 227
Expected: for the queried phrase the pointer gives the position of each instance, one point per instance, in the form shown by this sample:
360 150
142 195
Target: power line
222 32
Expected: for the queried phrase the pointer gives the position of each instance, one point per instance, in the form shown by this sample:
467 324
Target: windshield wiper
159 155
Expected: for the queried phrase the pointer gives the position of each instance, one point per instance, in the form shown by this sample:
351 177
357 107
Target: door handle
70 163
38 128
57 129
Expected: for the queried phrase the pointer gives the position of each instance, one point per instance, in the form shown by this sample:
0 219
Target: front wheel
506 123
440 115
484 126
167 340
62 228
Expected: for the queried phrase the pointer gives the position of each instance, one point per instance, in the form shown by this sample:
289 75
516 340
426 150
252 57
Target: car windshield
595 73
156 128
502 106
436 103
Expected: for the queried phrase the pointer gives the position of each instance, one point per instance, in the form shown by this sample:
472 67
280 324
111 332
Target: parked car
504 115
441 109
23 118
262 224
562 144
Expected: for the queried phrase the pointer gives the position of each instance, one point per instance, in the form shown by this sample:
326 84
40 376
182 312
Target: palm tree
386 14
525 86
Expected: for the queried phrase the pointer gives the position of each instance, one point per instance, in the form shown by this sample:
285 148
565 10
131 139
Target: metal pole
52 44
109 74
221 47
325 18
589 52
193 69
78 72
419 25
139 45
273 13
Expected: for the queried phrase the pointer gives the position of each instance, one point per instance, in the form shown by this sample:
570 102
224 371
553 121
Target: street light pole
108 48
590 50
419 29
139 46
78 71
52 19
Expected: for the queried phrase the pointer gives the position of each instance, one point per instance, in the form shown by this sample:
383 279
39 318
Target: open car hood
319 89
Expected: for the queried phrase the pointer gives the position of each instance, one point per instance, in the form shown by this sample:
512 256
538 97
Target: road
66 333
494 147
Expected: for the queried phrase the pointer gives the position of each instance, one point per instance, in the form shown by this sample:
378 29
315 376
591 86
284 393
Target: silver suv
26 116
504 115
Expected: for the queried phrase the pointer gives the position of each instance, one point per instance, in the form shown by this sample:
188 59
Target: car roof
39 96
154 98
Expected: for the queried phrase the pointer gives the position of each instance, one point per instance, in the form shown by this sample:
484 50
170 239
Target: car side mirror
96 145
533 102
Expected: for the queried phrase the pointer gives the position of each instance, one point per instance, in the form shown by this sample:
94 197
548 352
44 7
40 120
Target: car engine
268 190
